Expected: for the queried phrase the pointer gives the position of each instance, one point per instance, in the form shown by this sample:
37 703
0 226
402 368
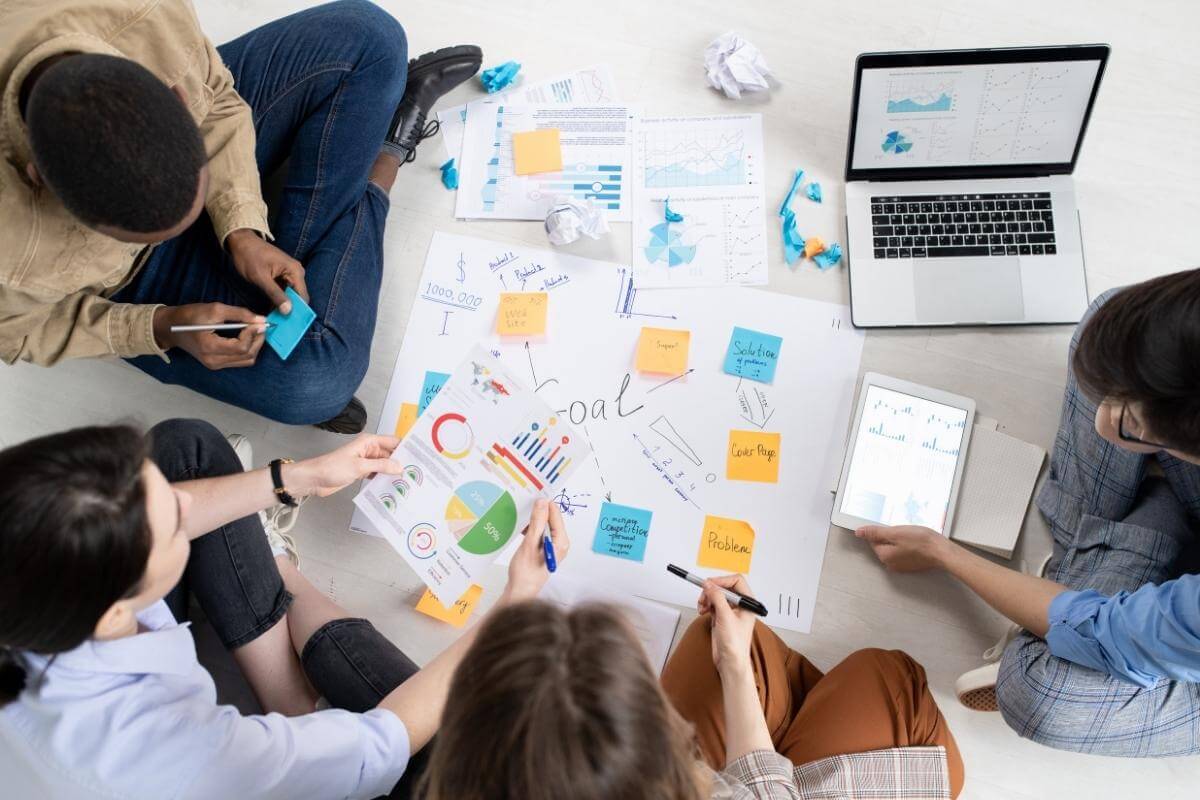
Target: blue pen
548 550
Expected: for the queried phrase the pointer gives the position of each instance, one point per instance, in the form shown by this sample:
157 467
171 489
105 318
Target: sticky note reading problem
537 151
434 381
407 418
458 614
753 456
622 531
726 544
522 313
663 351
753 355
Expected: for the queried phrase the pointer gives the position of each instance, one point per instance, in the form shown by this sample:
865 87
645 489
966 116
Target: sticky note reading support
287 331
434 381
458 614
753 355
753 456
407 418
622 531
522 313
726 544
537 151
663 351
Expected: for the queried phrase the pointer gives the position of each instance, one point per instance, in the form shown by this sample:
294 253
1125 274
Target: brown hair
550 704
1143 346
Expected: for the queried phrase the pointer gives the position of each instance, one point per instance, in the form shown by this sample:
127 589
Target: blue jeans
323 85
232 574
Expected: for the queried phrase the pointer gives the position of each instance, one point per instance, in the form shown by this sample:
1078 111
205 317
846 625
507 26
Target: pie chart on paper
667 245
482 517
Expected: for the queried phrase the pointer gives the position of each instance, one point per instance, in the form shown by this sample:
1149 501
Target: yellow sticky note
407 418
537 151
726 544
753 456
522 313
458 614
663 350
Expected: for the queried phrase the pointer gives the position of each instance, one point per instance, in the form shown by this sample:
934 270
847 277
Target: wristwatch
277 480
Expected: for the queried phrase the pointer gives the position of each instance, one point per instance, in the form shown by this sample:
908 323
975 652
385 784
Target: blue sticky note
622 532
496 78
434 381
287 331
813 190
449 175
829 257
753 355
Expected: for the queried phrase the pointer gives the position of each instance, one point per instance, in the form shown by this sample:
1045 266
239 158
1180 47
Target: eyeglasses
1128 437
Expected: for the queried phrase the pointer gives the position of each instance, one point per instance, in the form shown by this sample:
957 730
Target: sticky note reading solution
753 355
522 313
537 151
726 544
458 614
622 531
663 351
753 456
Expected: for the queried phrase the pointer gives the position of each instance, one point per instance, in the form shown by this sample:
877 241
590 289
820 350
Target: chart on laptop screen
1023 113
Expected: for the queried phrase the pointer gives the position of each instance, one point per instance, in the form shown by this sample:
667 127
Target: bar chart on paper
710 168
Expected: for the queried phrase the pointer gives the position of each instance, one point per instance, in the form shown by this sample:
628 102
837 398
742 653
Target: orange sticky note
522 313
537 151
812 246
663 351
726 544
458 614
753 456
407 418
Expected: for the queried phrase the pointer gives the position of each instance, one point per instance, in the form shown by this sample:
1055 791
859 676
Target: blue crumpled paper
813 190
449 175
668 214
828 258
793 242
500 77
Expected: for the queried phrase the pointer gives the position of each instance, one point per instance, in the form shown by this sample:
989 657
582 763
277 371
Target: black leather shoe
352 419
429 77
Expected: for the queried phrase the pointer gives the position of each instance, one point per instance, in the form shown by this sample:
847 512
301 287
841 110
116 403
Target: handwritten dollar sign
462 273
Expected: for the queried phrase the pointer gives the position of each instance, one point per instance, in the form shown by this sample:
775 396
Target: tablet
905 455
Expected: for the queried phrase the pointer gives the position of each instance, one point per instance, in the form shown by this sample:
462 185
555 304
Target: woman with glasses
1107 655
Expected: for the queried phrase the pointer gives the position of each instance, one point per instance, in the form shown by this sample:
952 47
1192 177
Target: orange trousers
874 699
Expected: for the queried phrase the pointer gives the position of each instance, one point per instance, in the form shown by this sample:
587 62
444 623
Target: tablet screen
905 454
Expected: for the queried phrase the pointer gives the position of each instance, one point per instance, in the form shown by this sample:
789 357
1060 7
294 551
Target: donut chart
482 517
452 436
422 541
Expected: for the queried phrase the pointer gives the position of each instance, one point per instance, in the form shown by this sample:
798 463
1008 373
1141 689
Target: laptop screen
970 118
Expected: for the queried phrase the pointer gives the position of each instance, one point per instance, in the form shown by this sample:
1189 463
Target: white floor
1136 181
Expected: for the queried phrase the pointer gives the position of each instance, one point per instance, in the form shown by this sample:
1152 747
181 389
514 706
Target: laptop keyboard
933 226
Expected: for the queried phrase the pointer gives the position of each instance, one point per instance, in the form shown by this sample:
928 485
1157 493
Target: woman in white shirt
101 690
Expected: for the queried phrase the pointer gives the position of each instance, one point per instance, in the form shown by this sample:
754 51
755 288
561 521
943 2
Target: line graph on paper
697 158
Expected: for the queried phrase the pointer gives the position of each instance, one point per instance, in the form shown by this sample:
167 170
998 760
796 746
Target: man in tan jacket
131 151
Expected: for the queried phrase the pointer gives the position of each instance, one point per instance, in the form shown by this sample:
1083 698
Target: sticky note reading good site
663 351
522 313
753 456
726 544
458 614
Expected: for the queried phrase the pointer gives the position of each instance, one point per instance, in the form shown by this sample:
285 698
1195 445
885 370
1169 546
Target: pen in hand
735 598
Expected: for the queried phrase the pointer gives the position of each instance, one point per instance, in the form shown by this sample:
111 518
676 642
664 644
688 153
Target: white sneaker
977 689
276 521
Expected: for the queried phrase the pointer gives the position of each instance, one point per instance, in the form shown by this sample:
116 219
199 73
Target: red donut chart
456 442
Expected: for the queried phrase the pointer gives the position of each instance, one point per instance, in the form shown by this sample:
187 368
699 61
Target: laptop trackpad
968 291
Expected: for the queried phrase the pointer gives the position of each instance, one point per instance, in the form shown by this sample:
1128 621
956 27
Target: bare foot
383 171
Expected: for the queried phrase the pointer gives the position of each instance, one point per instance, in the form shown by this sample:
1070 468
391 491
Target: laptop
960 206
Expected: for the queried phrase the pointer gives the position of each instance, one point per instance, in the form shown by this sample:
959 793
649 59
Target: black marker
736 599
